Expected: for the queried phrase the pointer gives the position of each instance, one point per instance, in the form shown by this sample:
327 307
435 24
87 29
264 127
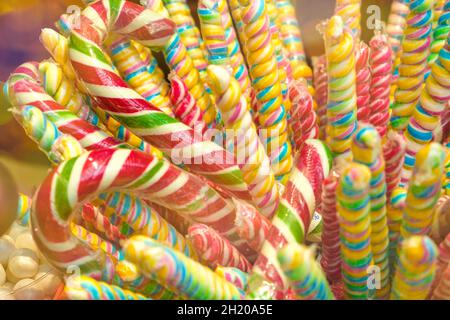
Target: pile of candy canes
242 173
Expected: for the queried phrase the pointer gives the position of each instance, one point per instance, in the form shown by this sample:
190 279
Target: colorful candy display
363 81
396 26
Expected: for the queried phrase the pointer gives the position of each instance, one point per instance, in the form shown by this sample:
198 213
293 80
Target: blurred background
20 26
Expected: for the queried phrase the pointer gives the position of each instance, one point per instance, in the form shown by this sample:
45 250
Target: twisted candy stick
395 209
23 210
396 26
240 71
321 86
143 220
428 110
363 81
423 191
95 242
303 116
440 31
443 260
264 72
366 149
416 269
24 89
189 33
304 273
354 220
235 9
213 32
341 108
175 270
350 11
441 221
381 68
184 105
415 50
127 60
331 254
297 206
101 223
247 147
86 288
214 249
233 275
442 291
66 147
125 105
393 153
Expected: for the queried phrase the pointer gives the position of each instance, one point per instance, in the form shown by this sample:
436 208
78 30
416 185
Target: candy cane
128 61
428 110
247 147
264 72
416 270
109 169
86 288
350 11
177 271
342 102
354 221
423 191
366 149
297 206
304 273
381 68
101 223
416 47
132 110
215 250
363 81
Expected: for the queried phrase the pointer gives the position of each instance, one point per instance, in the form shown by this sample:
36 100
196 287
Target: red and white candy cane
80 179
125 105
101 223
216 250
363 77
25 88
299 201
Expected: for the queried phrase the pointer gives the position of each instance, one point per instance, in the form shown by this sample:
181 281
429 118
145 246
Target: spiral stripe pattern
413 62
396 26
393 153
264 72
321 95
177 271
304 273
350 11
395 209
353 207
233 275
416 269
23 210
441 30
363 81
129 108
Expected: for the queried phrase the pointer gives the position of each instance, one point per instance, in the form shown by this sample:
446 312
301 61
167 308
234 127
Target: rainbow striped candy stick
214 249
350 11
441 30
381 68
234 275
304 273
296 209
366 149
413 62
353 205
237 61
24 89
23 210
213 32
189 33
143 220
428 110
128 61
416 269
235 10
80 179
396 26
395 209
266 82
342 102
86 288
115 97
179 58
58 47
246 145
423 191
177 271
